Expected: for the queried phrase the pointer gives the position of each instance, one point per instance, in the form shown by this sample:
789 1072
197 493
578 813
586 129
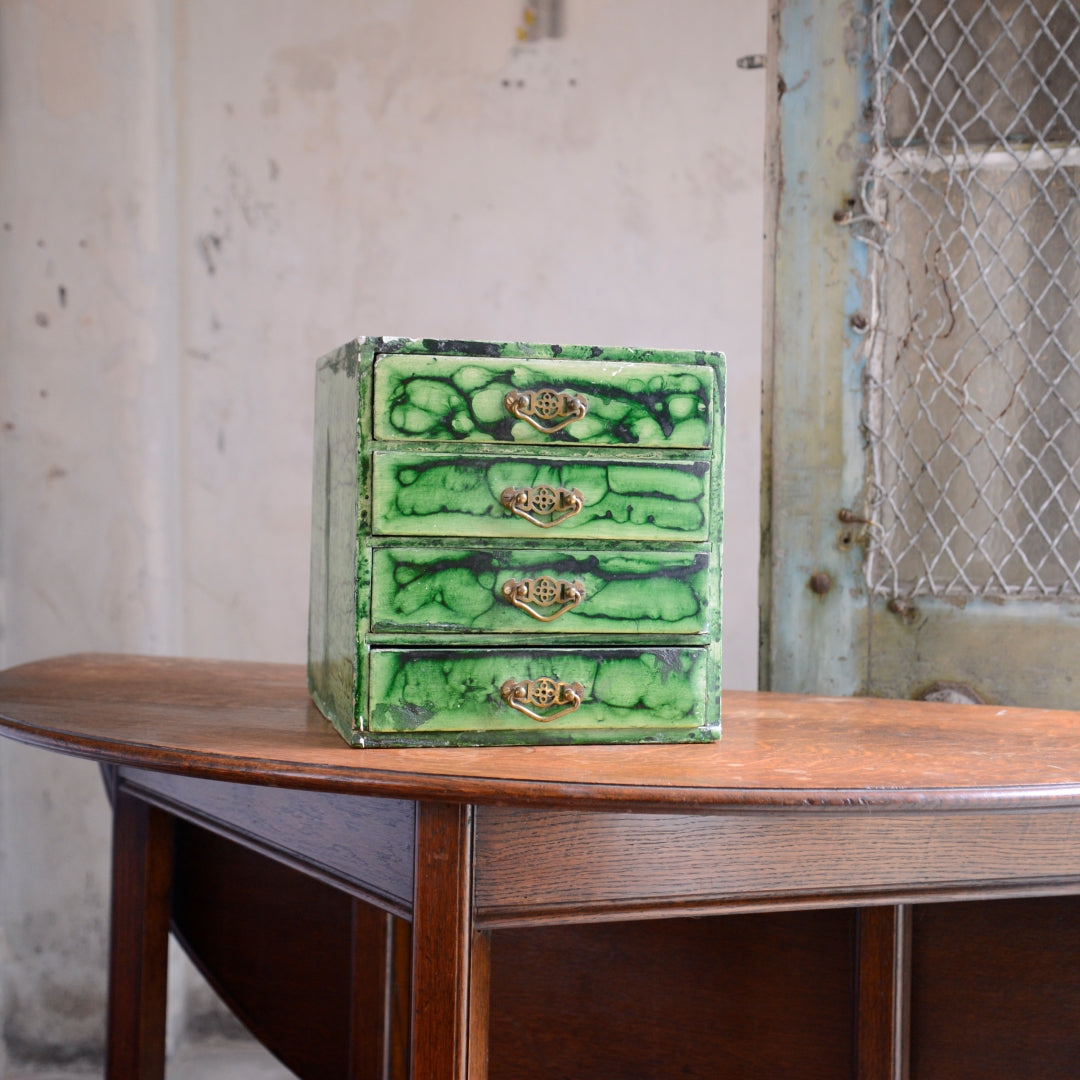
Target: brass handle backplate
543 693
544 592
528 502
534 406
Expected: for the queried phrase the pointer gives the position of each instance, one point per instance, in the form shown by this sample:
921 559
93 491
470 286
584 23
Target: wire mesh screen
972 209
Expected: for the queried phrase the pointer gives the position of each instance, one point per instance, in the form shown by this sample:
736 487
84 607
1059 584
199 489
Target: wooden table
566 911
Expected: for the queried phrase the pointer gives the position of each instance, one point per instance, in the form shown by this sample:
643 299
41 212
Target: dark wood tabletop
894 865
240 721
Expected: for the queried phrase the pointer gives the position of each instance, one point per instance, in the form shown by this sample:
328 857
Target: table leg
450 967
139 940
884 988
379 1027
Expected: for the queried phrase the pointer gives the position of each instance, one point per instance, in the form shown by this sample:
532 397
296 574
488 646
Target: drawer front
537 691
453 398
487 495
511 590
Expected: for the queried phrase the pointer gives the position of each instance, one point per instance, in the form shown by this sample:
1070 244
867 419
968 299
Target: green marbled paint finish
439 494
418 691
446 398
547 736
510 350
626 592
667 499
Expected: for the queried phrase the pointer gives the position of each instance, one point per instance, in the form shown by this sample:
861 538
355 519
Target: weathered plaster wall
88 498
197 199
403 168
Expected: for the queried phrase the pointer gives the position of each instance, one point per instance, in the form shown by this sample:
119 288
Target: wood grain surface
361 845
758 997
555 865
883 971
450 967
242 721
275 944
139 930
804 802
995 990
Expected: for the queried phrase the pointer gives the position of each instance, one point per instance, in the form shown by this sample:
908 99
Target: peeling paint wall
196 200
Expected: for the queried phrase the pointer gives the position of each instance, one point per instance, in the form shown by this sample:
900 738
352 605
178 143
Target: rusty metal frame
814 636
821 630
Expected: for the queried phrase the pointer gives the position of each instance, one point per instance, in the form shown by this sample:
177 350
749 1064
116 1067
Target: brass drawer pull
543 693
544 592
547 404
543 499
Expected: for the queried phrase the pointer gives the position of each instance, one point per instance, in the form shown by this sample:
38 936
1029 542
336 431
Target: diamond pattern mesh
971 206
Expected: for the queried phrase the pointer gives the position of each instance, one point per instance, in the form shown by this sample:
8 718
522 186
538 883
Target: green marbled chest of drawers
516 543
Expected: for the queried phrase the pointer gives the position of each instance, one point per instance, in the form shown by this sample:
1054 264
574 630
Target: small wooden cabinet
517 544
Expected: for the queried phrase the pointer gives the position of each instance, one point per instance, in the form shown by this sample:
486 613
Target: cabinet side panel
332 607
716 518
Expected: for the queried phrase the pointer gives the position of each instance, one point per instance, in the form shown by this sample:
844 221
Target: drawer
511 496
538 693
513 590
455 398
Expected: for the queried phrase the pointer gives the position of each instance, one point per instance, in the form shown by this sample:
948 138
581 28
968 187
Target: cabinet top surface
254 723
